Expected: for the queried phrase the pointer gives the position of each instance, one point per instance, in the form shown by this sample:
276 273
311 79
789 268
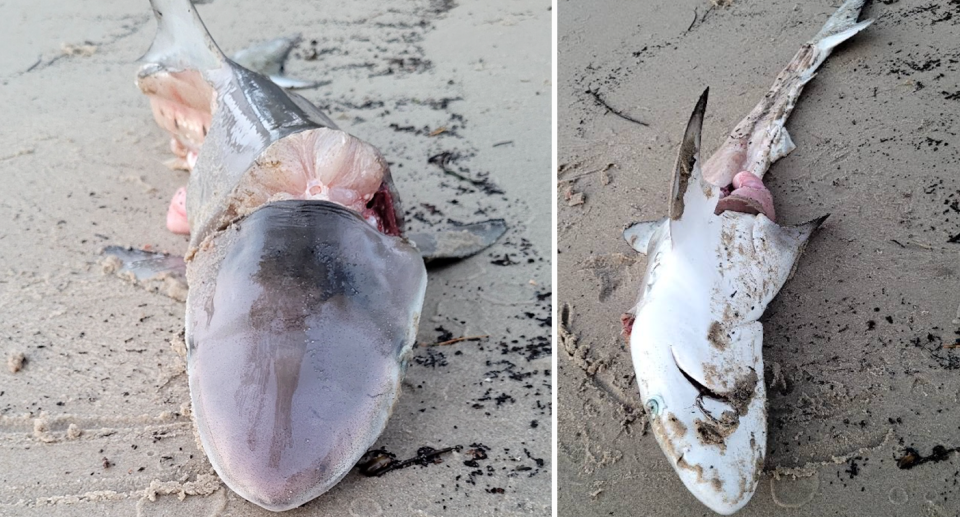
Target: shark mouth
747 194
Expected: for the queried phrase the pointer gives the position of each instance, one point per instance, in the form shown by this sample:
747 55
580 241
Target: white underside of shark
696 340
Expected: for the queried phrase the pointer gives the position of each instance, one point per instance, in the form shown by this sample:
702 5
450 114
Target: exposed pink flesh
749 196
178 149
380 212
382 209
724 164
321 164
326 164
751 145
182 105
626 321
185 158
177 213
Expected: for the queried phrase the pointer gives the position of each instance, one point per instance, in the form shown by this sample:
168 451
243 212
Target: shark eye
654 405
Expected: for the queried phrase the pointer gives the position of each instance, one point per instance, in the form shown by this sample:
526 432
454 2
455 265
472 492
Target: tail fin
843 24
761 138
839 28
182 41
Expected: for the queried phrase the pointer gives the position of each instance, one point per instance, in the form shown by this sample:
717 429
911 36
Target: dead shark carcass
304 295
713 266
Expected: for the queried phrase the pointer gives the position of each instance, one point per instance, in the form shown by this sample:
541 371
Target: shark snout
283 418
269 490
710 422
297 348
718 459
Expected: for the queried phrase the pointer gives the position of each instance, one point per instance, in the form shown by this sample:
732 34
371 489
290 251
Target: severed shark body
305 292
714 264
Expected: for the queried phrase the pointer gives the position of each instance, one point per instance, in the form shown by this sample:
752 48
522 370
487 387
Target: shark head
299 321
706 410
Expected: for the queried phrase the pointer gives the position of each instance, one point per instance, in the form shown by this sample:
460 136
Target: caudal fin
761 139
182 41
840 27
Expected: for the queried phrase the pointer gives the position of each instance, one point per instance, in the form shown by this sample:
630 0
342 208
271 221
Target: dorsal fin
687 171
182 41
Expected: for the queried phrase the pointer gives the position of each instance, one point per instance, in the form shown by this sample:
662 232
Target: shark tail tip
841 26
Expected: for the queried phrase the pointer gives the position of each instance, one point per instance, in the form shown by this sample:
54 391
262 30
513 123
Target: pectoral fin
783 245
640 235
156 272
460 242
269 57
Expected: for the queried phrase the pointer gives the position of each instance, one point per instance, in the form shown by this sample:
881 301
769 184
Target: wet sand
861 381
96 422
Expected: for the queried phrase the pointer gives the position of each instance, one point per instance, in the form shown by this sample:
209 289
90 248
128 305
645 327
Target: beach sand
96 419
856 347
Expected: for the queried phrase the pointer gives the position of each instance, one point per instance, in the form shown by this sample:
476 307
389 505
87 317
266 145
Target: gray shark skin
298 335
713 266
304 295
